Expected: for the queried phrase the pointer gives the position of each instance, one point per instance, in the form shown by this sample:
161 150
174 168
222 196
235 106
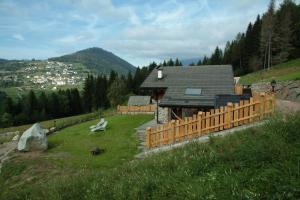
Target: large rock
33 139
285 90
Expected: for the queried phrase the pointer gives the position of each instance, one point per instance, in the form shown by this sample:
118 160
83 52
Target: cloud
139 31
187 30
71 39
18 37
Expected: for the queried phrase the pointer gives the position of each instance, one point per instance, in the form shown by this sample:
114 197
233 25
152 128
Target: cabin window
193 91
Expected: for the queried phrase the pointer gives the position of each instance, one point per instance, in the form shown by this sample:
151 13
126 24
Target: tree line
273 38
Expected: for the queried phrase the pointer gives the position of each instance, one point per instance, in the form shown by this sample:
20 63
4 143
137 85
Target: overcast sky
139 31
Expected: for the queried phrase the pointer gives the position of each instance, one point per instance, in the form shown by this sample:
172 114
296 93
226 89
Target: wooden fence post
262 105
207 122
273 103
173 131
178 130
241 112
217 119
251 109
199 125
148 137
236 114
212 119
185 128
246 111
230 113
222 118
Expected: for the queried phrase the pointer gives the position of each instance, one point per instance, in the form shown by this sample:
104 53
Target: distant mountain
3 60
189 61
97 60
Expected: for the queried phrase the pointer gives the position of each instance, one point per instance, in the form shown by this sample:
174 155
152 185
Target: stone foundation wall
163 115
286 90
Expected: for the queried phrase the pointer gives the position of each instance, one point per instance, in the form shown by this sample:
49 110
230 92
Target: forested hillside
272 39
98 60
99 92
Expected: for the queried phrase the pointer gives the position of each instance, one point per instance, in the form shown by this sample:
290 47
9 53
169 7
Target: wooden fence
258 107
137 109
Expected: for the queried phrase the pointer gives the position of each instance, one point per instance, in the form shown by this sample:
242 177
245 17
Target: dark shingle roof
224 99
211 79
139 100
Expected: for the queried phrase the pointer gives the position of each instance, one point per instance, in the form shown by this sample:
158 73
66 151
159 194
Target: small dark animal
97 151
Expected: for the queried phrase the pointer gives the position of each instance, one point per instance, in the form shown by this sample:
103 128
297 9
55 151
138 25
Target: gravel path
141 133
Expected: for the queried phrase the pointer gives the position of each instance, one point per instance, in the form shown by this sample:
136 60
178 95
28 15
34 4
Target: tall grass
258 163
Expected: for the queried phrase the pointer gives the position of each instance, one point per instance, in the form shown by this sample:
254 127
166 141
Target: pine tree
97 93
76 104
205 61
152 66
283 35
117 92
217 57
42 106
267 31
137 80
164 63
88 93
64 103
129 82
170 62
227 59
112 77
295 15
199 62
8 105
177 62
255 61
31 106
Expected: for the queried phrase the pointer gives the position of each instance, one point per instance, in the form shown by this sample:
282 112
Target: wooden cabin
182 91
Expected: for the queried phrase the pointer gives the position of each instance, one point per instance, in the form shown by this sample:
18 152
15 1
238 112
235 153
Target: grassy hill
257 163
69 154
97 60
282 72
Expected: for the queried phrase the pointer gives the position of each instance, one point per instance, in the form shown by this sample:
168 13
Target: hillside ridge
97 60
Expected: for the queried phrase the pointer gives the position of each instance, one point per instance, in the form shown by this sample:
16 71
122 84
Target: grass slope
282 72
119 141
69 154
258 163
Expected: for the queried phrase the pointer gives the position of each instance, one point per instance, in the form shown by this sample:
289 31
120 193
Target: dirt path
5 150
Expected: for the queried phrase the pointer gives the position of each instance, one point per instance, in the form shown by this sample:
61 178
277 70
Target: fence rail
136 109
258 107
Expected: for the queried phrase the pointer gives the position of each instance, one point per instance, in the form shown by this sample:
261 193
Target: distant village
43 74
